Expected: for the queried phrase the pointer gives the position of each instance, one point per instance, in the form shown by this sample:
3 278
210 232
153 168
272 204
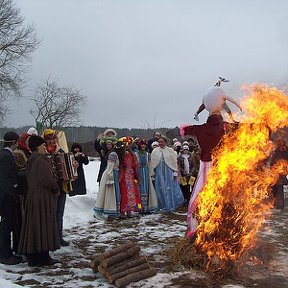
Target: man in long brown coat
39 233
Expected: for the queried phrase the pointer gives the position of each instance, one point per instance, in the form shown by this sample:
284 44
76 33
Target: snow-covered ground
154 233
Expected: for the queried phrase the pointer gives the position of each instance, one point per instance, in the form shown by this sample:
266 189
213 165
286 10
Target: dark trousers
61 200
278 195
7 226
186 192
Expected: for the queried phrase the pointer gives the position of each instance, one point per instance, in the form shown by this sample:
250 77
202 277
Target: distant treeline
86 135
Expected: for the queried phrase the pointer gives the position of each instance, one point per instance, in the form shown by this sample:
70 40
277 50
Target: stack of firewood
123 265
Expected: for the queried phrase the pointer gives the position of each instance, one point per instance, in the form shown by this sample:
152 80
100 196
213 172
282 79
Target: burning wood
122 265
232 205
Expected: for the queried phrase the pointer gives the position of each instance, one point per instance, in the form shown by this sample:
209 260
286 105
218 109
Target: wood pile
123 265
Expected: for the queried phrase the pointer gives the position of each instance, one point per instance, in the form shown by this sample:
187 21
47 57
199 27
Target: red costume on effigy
208 136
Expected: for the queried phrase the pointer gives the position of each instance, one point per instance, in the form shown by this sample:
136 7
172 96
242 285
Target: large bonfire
232 205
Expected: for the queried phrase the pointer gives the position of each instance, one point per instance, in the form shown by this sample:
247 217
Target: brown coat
39 231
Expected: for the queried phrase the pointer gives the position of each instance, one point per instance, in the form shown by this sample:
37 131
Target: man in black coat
8 192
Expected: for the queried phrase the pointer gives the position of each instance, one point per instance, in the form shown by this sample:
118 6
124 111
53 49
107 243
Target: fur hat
177 144
155 144
49 134
76 145
35 141
110 131
11 136
32 131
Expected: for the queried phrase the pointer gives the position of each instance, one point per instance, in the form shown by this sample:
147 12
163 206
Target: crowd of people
136 177
139 176
33 195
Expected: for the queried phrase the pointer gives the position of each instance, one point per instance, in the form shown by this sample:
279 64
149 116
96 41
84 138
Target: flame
232 206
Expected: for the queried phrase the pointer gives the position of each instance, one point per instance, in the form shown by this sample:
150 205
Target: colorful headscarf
142 142
22 142
127 140
49 134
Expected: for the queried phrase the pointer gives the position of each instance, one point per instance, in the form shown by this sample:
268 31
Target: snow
89 236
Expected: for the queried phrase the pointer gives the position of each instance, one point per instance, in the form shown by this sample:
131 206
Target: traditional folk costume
64 186
147 191
108 197
187 172
208 136
130 194
101 149
164 167
128 179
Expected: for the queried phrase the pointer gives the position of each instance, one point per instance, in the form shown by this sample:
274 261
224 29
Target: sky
148 63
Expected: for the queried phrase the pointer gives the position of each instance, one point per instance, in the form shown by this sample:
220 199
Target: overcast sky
149 62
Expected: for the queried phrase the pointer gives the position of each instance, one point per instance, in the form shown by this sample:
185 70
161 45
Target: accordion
64 166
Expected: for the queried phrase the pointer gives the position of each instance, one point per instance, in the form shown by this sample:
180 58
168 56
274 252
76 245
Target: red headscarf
22 142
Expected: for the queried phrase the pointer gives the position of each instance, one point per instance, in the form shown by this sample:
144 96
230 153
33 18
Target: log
119 264
140 275
126 265
123 273
94 264
107 271
110 252
120 256
102 270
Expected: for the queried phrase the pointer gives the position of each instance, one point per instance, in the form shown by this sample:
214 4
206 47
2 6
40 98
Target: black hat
11 136
35 141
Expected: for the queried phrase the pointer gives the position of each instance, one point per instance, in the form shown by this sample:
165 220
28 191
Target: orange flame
231 205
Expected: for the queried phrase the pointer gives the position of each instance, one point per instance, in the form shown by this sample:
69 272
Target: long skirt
147 191
108 197
199 184
167 188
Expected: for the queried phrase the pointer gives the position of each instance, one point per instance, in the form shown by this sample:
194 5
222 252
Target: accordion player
65 169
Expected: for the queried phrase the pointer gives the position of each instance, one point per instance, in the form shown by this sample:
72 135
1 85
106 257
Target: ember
232 206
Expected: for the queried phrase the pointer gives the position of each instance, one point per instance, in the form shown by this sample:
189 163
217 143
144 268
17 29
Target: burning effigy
232 205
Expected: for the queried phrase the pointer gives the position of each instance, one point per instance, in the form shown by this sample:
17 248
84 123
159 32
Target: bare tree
57 106
17 42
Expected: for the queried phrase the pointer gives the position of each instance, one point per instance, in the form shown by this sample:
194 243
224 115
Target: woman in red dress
128 178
